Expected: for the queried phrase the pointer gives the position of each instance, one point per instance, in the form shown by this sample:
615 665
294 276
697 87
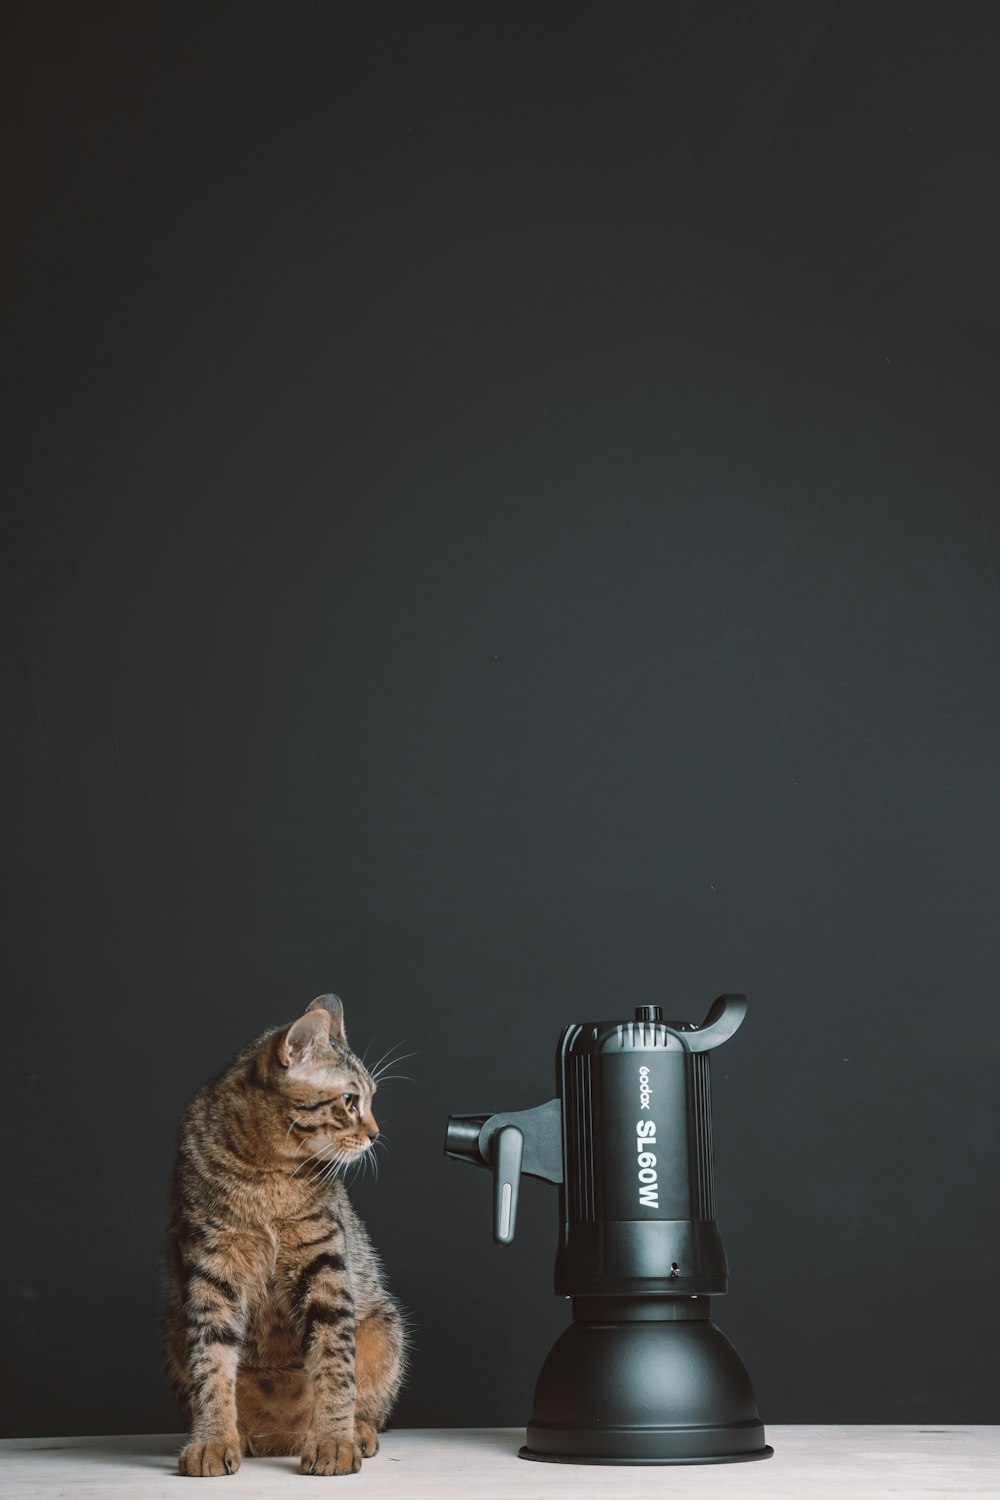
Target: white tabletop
809 1463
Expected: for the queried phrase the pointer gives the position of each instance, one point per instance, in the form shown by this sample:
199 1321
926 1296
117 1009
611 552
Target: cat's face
326 1091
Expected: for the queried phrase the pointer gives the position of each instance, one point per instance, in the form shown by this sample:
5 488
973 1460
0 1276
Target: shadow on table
155 1451
490 1439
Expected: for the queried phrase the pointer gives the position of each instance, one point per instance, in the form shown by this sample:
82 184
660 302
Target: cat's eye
351 1100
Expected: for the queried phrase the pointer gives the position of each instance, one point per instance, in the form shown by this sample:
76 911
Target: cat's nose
371 1130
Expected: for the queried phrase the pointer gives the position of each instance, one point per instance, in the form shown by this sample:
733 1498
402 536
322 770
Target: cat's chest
276 1298
297 1243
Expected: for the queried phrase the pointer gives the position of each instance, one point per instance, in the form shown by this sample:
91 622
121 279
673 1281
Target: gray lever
507 1151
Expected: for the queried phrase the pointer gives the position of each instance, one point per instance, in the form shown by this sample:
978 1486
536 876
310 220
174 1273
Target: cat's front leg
215 1312
324 1313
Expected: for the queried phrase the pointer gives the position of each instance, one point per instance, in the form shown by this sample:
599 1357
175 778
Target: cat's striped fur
279 1334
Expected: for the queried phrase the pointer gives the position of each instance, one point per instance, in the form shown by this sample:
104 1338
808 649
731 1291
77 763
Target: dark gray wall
502 522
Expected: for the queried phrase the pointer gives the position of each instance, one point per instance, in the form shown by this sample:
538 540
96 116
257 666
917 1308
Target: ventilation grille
580 1138
702 1158
642 1034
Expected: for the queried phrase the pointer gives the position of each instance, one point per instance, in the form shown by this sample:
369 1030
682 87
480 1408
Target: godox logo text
645 1136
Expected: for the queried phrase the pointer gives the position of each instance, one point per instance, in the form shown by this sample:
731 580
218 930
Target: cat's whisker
392 1059
305 1162
386 1053
334 1164
319 1160
387 1060
385 1063
325 1159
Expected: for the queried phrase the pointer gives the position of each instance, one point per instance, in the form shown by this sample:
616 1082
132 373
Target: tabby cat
279 1334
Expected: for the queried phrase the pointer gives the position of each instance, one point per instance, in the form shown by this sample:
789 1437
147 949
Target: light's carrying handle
725 1016
507 1152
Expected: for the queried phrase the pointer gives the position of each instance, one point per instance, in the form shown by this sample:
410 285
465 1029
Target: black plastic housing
632 1091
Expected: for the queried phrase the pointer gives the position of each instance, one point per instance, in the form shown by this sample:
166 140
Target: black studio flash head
642 1375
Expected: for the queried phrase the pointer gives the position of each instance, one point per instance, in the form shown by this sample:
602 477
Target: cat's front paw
201 1460
367 1439
330 1456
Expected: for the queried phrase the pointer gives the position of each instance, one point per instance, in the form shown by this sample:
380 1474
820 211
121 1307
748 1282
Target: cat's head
326 1091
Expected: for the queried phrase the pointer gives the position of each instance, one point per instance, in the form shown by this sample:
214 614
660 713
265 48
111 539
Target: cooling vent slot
579 1104
700 1126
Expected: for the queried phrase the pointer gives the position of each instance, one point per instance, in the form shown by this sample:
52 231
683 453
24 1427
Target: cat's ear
303 1036
334 1007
